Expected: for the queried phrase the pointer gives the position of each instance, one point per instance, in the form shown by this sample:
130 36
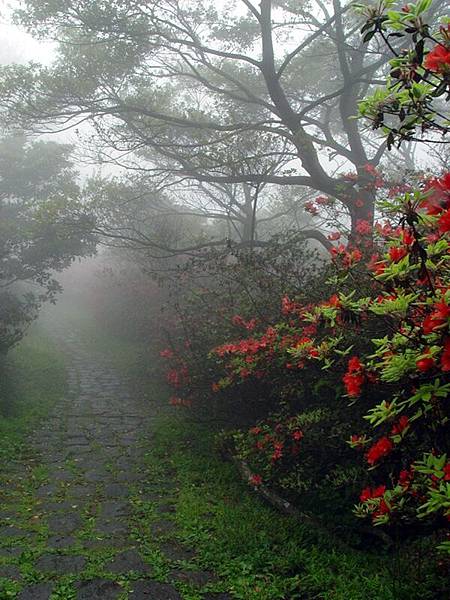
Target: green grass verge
32 378
261 554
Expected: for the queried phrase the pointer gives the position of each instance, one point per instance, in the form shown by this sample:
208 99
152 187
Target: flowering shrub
402 380
408 107
282 451
224 295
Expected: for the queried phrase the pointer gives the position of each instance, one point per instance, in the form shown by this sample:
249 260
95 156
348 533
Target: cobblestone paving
71 509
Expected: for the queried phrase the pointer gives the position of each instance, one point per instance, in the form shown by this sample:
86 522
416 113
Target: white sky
17 45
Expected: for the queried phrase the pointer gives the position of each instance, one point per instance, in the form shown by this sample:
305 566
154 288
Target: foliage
409 300
222 294
269 115
42 229
32 379
411 105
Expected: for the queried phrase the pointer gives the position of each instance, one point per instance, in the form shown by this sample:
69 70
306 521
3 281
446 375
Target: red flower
438 195
397 253
240 322
407 237
437 318
369 493
354 378
446 470
354 364
383 509
444 222
365 495
255 430
380 449
356 255
256 480
425 364
353 384
166 353
297 435
404 478
445 358
363 227
287 306
334 236
438 60
379 491
333 301
399 427
311 208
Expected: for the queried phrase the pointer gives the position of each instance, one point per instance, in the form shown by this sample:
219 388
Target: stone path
84 515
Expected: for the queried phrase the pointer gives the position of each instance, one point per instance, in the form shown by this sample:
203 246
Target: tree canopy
42 228
245 93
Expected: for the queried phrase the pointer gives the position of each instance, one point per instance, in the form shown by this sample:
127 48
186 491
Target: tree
42 229
208 94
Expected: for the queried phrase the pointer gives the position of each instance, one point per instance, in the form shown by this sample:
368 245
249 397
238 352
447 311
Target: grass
259 553
32 378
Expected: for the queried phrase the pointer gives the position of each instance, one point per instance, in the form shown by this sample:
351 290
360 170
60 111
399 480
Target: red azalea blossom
383 509
445 358
297 435
405 478
438 195
447 472
287 306
338 250
369 493
444 222
365 495
334 236
380 449
323 200
426 363
166 353
399 427
353 384
438 60
363 227
356 255
240 322
354 364
397 253
256 480
311 208
437 318
407 237
354 378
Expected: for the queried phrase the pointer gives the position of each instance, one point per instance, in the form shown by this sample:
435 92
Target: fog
224 300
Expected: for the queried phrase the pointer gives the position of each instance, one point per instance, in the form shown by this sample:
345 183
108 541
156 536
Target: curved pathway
84 514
